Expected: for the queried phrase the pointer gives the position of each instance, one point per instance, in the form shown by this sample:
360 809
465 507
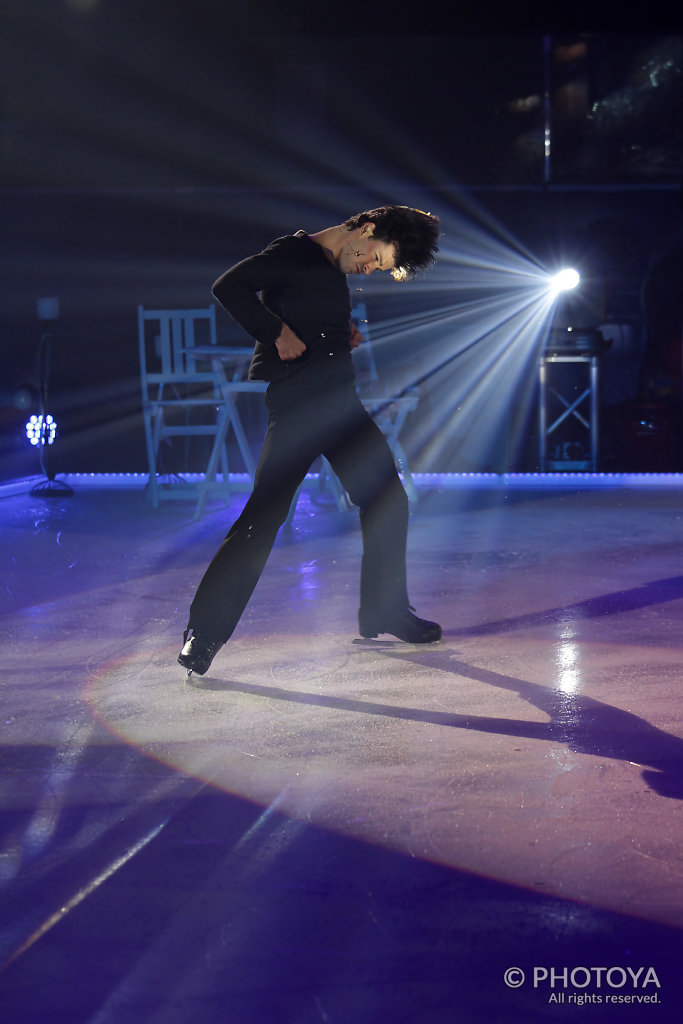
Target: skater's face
363 254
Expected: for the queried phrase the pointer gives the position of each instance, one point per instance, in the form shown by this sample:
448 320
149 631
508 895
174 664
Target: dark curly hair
413 233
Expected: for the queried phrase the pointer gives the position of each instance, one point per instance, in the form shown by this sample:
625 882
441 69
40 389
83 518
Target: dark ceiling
168 93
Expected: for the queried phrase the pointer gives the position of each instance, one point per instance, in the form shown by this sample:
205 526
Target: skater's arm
238 291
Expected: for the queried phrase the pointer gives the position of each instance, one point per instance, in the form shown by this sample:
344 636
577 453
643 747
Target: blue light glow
41 430
421 480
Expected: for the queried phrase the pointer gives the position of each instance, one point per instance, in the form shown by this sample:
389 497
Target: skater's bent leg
233 573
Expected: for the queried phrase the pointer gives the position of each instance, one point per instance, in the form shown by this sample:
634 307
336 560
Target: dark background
146 146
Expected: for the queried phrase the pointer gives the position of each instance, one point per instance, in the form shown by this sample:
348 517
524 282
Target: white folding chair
180 397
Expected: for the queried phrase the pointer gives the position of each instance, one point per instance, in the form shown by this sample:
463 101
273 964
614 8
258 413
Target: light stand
47 311
574 419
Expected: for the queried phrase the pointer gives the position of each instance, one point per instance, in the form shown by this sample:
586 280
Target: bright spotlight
41 430
564 281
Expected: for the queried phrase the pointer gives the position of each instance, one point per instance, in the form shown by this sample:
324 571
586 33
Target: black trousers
304 423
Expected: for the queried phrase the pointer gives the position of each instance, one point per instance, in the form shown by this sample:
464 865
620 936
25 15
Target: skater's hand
288 345
355 338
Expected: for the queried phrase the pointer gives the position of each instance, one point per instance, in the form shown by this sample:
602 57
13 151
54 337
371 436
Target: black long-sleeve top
291 282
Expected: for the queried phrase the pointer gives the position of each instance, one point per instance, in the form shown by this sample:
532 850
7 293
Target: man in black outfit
293 299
